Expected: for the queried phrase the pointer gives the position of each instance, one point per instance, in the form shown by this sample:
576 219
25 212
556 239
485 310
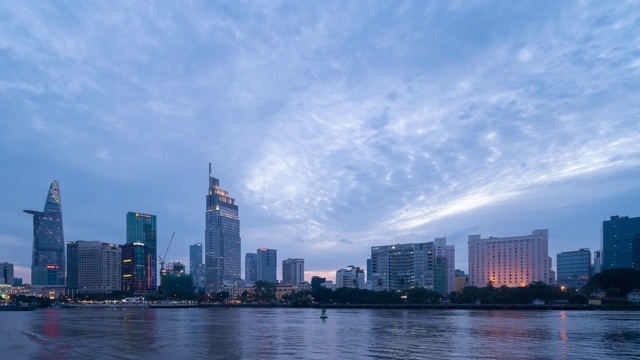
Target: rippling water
268 333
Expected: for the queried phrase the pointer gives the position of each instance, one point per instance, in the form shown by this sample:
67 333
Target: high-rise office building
621 243
135 276
195 258
293 271
267 265
597 262
574 268
196 266
351 277
142 229
251 267
6 273
446 269
222 237
511 261
93 267
405 266
48 261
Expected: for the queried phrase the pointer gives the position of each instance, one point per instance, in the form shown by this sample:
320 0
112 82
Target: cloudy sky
336 126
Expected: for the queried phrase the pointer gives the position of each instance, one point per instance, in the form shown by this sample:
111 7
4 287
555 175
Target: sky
335 125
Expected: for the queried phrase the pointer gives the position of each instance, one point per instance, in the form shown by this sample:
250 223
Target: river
289 333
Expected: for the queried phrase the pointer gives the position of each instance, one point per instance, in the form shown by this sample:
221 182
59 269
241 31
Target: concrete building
621 243
351 277
293 271
405 266
461 280
573 268
267 265
222 237
597 262
511 261
447 255
93 267
6 273
251 267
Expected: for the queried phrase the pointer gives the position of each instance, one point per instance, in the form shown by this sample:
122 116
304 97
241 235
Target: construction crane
165 254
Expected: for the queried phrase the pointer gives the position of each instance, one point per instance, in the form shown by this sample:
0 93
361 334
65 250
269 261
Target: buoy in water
324 313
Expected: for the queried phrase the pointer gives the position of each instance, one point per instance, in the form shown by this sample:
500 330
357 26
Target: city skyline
336 127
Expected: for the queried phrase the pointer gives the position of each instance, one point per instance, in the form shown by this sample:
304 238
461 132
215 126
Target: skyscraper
93 267
48 261
511 261
221 237
402 266
267 265
446 269
293 271
135 268
251 267
6 273
621 243
196 266
142 229
195 258
574 268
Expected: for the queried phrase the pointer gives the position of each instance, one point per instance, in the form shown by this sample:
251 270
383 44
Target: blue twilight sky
335 125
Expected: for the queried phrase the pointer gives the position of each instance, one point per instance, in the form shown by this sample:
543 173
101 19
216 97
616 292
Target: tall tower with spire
221 237
48 261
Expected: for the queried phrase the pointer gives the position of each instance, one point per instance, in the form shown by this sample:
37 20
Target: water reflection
271 333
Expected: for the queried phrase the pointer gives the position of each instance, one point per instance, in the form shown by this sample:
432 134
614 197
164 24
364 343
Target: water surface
268 333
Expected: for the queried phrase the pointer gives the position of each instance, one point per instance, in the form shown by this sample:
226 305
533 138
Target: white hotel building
511 261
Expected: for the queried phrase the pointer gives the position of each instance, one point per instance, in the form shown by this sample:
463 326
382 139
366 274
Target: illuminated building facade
510 261
48 260
293 271
267 265
621 243
135 277
574 268
351 277
222 238
93 267
415 265
142 229
250 267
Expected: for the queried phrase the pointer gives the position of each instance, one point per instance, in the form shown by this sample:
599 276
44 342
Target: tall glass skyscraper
221 237
48 261
142 229
574 268
251 267
267 265
621 243
196 266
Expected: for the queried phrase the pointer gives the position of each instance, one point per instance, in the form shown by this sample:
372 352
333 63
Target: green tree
322 295
264 291
624 280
